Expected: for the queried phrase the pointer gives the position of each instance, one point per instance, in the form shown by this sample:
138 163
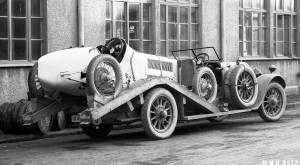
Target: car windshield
191 53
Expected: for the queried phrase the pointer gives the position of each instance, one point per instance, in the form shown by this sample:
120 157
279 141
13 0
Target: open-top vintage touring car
113 84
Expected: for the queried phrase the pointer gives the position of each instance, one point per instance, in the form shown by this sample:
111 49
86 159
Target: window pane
295 6
108 10
280 21
163 48
255 48
184 15
263 46
135 45
184 32
148 47
173 31
134 10
120 11
274 34
286 49
194 13
19 28
134 30
120 30
172 45
241 49
35 8
195 1
108 31
248 34
3 50
163 31
286 35
240 3
264 4
280 48
287 21
279 4
19 8
255 19
247 3
294 49
147 12
147 31
19 50
294 35
287 5
264 34
163 13
3 8
173 14
294 21
3 28
255 34
194 33
184 45
36 50
247 48
240 17
36 28
247 19
256 4
264 19
279 34
241 33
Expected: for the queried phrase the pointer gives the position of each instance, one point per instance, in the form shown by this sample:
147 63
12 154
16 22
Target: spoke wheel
159 114
243 86
97 131
274 103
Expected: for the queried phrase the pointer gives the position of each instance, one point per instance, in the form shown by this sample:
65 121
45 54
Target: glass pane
36 50
35 8
3 28
264 4
184 18
120 30
172 45
120 11
147 12
280 48
295 6
195 1
173 31
148 47
286 49
241 33
19 28
247 19
134 30
134 10
287 5
247 3
294 21
3 8
147 31
279 34
256 4
294 35
173 14
19 8
184 32
248 34
263 45
279 4
163 13
241 48
194 32
274 48
294 49
286 35
108 10
240 17
240 3
194 13
194 44
280 21
287 21
264 34
135 45
255 34
255 48
163 31
163 48
19 50
264 19
3 50
274 34
247 48
108 31
36 25
184 45
255 19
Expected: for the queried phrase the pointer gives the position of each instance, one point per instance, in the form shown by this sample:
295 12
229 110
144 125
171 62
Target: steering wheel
201 58
115 47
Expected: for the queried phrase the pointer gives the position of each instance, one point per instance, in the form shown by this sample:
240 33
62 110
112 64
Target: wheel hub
161 114
245 85
273 102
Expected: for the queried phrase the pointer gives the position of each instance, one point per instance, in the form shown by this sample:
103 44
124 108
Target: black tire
7 115
59 121
274 103
205 84
34 86
159 114
243 86
99 82
14 116
97 131
2 117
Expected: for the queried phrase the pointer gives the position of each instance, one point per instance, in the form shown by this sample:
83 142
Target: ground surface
234 141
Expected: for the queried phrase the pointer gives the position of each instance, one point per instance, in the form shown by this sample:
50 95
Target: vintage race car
103 72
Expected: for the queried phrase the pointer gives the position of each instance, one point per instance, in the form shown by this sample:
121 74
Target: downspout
80 23
223 30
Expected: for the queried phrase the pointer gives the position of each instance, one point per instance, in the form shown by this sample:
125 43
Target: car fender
263 82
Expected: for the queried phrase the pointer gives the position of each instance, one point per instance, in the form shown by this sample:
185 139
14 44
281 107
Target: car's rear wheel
104 78
159 114
97 131
274 103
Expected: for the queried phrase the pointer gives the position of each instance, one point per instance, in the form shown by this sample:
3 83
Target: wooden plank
131 108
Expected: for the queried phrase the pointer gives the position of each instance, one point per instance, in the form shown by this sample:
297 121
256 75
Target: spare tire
34 86
205 84
104 78
243 86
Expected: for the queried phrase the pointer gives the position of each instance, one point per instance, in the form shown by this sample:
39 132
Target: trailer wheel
274 103
104 78
159 114
59 121
205 84
243 86
97 131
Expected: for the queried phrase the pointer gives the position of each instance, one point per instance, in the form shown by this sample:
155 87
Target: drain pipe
223 29
80 23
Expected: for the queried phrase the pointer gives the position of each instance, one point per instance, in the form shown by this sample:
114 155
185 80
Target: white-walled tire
104 78
274 103
159 114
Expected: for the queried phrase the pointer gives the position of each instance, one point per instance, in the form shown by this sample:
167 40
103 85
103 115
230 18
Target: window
178 26
252 28
20 30
285 28
132 22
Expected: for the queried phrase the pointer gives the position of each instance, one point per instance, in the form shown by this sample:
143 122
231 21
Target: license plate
75 119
